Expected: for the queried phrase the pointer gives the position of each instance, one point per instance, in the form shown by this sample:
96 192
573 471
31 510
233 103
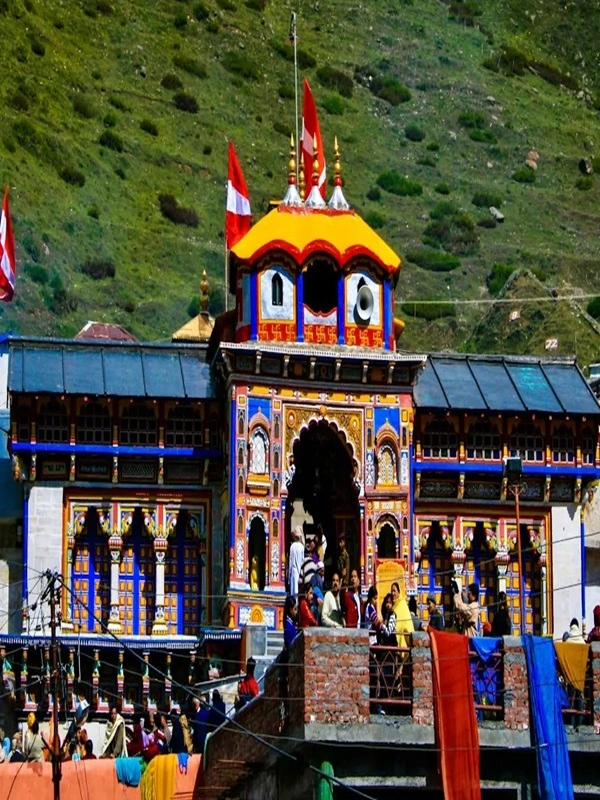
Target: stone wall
44 537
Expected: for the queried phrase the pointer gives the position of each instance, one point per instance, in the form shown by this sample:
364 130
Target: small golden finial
302 178
315 172
204 294
292 162
337 164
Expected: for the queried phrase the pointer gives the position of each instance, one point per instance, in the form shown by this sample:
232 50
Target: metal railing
390 680
488 685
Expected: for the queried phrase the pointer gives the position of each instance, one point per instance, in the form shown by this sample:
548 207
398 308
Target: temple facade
162 481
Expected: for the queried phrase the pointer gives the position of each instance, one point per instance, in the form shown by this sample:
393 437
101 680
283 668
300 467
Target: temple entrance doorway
323 492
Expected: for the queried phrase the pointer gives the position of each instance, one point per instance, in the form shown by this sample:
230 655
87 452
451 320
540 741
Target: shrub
38 47
191 66
256 5
239 64
37 273
394 183
585 183
121 173
104 7
375 219
170 209
390 89
487 222
171 82
486 136
180 20
433 260
413 133
27 135
73 176
286 91
426 161
472 119
441 188
93 212
83 106
524 175
98 268
334 105
281 127
429 311
60 301
185 102
207 149
593 307
226 5
332 78
212 26
444 209
374 194
486 199
96 75
117 103
111 140
305 60
110 120
18 101
433 147
498 276
149 127
456 233
31 247
201 12
465 11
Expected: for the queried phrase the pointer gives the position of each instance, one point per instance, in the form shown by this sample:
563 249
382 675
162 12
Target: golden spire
204 294
302 177
292 198
337 165
337 200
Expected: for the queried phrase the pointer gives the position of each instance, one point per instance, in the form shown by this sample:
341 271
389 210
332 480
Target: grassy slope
550 225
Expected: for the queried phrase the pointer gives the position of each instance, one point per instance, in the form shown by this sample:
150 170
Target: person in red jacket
306 618
352 602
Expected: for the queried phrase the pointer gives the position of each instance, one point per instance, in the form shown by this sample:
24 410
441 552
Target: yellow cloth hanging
158 780
573 659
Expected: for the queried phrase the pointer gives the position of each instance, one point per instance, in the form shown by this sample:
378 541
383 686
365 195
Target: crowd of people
150 735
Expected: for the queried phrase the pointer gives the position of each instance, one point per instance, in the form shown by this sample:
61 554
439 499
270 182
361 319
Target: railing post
596 685
516 689
422 679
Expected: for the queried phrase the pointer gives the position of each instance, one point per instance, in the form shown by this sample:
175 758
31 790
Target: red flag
310 131
7 253
238 219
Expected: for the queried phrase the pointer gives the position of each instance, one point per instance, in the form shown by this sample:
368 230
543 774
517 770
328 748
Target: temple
163 480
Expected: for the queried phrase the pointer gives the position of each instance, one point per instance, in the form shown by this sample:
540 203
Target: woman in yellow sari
404 623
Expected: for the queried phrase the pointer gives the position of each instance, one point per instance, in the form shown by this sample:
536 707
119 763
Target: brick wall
516 691
334 681
422 709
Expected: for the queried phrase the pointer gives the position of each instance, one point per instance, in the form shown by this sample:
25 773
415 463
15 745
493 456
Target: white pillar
115 543
159 626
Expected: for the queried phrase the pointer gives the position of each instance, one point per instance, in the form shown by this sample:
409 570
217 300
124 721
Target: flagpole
293 36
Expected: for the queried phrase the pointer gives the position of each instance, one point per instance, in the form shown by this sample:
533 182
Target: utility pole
56 767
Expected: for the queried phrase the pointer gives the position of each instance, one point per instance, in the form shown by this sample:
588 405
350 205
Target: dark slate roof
501 383
65 366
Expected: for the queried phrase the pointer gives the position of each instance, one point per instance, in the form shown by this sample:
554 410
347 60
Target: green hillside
108 107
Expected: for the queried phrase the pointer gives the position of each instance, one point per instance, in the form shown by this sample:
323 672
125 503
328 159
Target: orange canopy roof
302 232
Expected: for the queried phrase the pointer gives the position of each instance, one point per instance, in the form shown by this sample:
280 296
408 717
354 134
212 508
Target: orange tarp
84 780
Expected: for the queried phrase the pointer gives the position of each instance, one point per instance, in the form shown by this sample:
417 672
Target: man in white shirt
331 614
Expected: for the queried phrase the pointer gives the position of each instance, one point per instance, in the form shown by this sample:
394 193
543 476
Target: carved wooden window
241 423
275 488
259 448
184 427
276 427
527 442
387 470
275 528
53 424
93 424
588 446
483 442
23 421
138 425
276 290
440 440
563 445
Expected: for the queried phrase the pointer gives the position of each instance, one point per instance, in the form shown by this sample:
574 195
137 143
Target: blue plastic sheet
484 674
553 766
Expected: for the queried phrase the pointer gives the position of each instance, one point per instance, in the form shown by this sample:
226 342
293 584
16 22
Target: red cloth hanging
456 731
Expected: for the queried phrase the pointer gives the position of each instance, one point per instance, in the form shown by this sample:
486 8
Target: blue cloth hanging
182 758
129 771
484 675
553 765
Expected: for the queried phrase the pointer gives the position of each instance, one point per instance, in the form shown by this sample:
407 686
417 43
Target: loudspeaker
364 304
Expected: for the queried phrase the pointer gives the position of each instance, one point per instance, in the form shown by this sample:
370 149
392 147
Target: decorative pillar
115 545
70 670
159 626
